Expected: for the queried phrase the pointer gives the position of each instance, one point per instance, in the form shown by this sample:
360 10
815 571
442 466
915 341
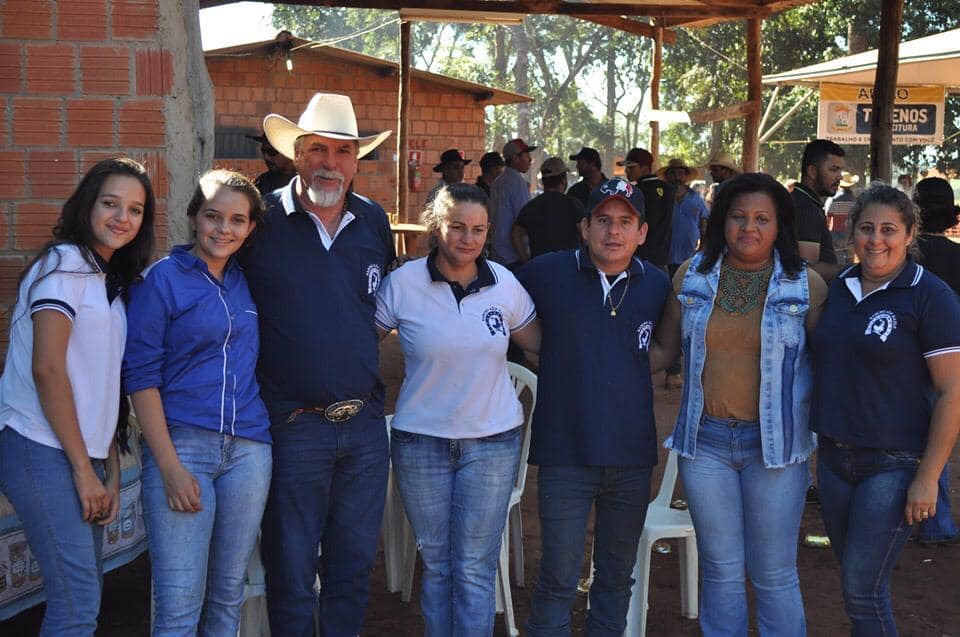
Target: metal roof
933 60
486 95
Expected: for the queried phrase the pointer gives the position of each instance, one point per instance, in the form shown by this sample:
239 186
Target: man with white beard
313 269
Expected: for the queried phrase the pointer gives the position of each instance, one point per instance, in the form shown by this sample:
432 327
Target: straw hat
848 181
327 114
692 171
724 160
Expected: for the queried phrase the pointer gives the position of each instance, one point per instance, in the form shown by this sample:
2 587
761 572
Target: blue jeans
566 494
456 494
38 481
745 514
198 561
863 493
328 489
941 526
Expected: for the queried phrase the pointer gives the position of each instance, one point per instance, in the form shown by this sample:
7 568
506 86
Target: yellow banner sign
846 112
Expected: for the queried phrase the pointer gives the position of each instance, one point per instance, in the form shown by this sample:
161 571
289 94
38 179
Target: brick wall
79 81
250 86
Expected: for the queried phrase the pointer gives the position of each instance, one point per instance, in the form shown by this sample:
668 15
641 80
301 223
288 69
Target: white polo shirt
457 384
94 352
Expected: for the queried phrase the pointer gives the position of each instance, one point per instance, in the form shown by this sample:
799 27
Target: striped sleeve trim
383 325
53 304
526 321
941 351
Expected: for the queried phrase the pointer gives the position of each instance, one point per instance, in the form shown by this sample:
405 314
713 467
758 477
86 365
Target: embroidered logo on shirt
644 334
882 324
373 278
493 317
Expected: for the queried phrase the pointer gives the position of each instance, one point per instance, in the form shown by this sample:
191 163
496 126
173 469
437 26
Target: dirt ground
926 582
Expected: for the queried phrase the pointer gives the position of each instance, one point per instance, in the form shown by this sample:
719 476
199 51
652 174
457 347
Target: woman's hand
94 499
112 486
183 490
921 500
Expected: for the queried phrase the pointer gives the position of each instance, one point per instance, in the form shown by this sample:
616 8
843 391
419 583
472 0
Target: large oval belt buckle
343 410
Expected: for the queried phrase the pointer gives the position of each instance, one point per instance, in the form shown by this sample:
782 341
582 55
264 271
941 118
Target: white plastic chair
522 379
664 522
253 613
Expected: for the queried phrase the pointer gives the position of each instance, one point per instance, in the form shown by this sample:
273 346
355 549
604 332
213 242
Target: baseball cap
553 167
616 189
638 157
590 154
514 147
491 159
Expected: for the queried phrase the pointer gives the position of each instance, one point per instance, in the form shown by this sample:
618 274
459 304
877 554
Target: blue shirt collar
584 262
188 261
909 276
485 277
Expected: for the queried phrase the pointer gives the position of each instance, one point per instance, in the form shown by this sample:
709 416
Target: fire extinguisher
416 179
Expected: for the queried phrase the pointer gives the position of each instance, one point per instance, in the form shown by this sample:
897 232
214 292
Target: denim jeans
38 481
328 489
941 526
566 494
863 493
745 515
198 561
456 494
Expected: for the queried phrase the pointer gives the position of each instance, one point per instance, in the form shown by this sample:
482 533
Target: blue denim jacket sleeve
786 377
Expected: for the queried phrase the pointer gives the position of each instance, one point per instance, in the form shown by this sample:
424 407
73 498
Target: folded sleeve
61 276
940 322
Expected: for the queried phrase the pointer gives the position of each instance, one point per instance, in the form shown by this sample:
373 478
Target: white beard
325 198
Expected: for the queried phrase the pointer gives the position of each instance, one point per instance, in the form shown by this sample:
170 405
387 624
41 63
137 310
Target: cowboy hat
692 171
450 155
848 181
724 160
327 114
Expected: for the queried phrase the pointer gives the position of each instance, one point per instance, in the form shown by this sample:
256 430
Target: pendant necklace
614 308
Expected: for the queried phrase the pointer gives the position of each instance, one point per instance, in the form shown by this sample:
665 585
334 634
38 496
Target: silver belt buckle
343 410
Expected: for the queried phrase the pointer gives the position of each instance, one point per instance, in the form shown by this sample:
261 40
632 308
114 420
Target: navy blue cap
616 189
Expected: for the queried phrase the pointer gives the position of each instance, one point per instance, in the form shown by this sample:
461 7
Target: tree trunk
610 120
522 81
885 90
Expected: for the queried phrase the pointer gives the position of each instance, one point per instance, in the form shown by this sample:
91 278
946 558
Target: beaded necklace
741 290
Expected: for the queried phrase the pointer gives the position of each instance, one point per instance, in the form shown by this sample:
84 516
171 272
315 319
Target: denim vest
786 375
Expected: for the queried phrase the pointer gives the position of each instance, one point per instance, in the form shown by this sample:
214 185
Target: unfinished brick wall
80 81
250 86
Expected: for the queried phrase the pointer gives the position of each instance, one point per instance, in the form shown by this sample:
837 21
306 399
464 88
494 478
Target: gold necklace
614 308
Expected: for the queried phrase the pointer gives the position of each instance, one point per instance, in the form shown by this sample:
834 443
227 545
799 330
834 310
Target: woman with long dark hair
747 303
60 389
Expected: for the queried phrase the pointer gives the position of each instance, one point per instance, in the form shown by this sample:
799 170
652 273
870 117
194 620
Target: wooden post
403 119
655 90
751 127
885 90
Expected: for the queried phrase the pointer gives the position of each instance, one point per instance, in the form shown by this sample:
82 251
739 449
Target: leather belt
340 411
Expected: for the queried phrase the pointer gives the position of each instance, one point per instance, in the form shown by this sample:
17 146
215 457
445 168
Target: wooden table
401 231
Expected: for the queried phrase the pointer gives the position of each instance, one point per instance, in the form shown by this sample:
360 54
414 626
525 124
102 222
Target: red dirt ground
926 582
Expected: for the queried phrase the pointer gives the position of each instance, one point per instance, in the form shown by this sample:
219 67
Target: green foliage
563 64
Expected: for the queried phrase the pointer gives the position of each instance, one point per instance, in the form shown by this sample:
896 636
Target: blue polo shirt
872 387
318 344
594 393
195 339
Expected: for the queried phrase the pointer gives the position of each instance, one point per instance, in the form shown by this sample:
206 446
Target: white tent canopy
933 60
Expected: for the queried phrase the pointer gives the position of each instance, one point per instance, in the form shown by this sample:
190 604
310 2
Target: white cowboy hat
327 114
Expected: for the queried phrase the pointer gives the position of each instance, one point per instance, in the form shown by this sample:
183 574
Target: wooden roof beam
627 25
684 13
